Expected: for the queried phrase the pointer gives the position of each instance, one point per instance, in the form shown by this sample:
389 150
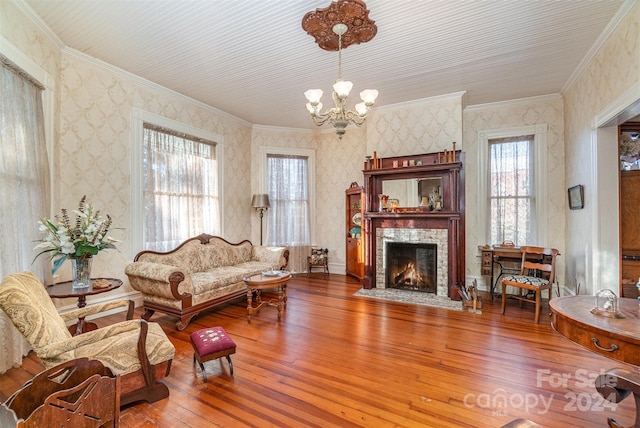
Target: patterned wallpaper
422 126
611 73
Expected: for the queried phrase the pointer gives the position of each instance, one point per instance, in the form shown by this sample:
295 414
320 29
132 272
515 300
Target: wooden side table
65 289
262 281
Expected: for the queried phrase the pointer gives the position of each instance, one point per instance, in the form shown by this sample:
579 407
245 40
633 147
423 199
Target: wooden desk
65 289
490 256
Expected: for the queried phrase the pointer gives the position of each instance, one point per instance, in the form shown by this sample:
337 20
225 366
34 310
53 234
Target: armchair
138 351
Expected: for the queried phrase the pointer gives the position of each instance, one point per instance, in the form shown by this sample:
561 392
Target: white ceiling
252 59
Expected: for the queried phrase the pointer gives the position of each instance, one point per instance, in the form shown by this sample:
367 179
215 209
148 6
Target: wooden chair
537 271
138 351
80 393
617 384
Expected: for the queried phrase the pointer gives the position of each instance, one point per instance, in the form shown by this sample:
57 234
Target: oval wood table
262 281
65 289
616 338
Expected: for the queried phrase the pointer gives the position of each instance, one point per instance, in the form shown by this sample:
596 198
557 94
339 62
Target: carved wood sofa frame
187 310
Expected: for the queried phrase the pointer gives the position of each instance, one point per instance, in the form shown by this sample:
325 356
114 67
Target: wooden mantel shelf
400 215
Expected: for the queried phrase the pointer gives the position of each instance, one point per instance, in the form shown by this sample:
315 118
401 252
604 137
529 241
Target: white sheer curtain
288 218
181 195
511 190
24 180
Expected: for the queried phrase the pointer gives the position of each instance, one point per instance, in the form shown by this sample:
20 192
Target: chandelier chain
339 56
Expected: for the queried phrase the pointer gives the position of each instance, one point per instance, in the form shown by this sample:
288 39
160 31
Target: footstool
210 344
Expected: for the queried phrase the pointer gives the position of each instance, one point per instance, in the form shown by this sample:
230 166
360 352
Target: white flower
80 239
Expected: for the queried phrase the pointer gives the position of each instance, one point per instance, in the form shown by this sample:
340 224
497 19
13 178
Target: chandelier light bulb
342 88
369 96
313 95
362 109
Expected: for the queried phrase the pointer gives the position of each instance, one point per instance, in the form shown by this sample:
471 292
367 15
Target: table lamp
261 203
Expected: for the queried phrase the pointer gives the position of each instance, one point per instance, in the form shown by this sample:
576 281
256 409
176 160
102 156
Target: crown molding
42 26
497 104
412 103
283 129
599 43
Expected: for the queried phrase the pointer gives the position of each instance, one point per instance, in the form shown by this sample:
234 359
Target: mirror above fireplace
414 192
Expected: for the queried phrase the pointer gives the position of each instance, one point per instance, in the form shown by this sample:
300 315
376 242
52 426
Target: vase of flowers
81 271
78 241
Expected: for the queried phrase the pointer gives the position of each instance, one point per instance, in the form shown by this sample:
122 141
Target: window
512 185
289 184
177 189
511 190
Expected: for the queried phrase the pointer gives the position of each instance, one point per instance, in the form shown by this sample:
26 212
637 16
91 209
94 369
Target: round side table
63 290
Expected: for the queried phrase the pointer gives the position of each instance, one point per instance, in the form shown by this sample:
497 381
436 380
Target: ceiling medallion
352 13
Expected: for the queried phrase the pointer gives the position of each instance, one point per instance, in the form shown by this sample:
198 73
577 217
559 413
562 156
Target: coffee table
262 281
65 289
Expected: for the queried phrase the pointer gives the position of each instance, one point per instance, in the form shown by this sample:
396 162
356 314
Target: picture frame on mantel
576 197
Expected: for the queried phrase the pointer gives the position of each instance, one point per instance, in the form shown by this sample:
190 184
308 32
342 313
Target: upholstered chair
138 351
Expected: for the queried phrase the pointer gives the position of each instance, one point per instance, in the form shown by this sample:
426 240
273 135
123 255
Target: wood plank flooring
345 361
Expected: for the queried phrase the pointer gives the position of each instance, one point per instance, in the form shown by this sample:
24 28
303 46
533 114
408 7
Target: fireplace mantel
450 217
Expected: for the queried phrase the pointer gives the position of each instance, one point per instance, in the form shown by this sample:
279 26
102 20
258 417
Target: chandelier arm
355 117
321 118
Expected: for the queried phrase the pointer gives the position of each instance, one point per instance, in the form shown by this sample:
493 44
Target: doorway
629 194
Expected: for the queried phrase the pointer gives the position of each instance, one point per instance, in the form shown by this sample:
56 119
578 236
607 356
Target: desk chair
537 271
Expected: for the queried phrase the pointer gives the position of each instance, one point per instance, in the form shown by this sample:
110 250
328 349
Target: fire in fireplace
412 266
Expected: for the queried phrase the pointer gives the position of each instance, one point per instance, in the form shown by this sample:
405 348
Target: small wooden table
262 281
65 289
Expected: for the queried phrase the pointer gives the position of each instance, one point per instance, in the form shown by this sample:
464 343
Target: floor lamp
261 203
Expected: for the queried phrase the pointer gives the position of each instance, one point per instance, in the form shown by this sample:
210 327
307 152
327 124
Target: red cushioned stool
210 344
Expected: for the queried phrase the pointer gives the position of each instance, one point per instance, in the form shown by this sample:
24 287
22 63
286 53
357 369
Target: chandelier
348 18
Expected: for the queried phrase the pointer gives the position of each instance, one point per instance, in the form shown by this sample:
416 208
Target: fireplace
416 224
414 240
412 266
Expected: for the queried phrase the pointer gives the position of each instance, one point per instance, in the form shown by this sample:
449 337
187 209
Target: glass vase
81 272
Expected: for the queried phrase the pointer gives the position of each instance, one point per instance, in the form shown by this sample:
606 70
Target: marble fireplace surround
440 237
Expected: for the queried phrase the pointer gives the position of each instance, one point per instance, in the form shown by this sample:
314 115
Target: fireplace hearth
412 266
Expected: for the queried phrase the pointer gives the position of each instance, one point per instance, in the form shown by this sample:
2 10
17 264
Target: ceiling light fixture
348 18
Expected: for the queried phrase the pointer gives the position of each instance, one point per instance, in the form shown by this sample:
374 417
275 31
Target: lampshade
260 201
342 88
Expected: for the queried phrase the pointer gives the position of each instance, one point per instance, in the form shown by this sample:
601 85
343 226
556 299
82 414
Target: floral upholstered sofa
200 273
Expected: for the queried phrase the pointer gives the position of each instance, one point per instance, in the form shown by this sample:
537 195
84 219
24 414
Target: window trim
541 179
311 168
138 118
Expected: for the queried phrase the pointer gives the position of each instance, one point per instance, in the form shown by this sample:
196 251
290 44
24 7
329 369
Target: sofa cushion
216 278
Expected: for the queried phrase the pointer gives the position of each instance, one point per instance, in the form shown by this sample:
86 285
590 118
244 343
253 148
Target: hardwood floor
340 360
